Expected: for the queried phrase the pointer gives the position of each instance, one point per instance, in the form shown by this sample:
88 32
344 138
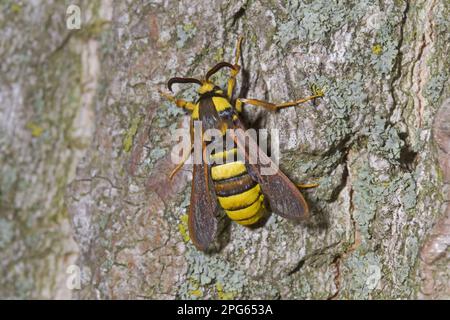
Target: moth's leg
234 72
180 165
179 102
238 105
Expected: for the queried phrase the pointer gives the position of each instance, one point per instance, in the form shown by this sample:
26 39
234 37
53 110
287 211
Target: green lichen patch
344 99
385 140
377 49
16 8
224 295
436 85
6 232
218 55
316 21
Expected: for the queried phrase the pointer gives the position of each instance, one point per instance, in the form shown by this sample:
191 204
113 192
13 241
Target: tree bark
86 140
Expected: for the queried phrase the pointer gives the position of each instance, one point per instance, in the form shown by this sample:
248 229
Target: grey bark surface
85 143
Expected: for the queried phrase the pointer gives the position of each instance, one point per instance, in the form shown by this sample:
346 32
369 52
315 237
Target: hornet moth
237 187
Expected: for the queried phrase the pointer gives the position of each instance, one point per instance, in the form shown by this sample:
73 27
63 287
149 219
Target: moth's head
206 86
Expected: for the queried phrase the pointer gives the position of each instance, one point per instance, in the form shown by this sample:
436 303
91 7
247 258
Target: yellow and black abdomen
238 194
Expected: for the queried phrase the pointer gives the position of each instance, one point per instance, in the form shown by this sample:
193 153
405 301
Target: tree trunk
86 140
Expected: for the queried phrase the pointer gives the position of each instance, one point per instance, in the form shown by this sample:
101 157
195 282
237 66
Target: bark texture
85 144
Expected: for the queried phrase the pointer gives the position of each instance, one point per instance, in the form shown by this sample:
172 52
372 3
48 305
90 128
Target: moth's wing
284 197
204 208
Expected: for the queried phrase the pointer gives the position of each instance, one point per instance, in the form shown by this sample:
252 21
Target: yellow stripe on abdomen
240 200
228 170
245 213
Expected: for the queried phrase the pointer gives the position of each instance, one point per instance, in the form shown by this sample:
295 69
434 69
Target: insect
237 187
